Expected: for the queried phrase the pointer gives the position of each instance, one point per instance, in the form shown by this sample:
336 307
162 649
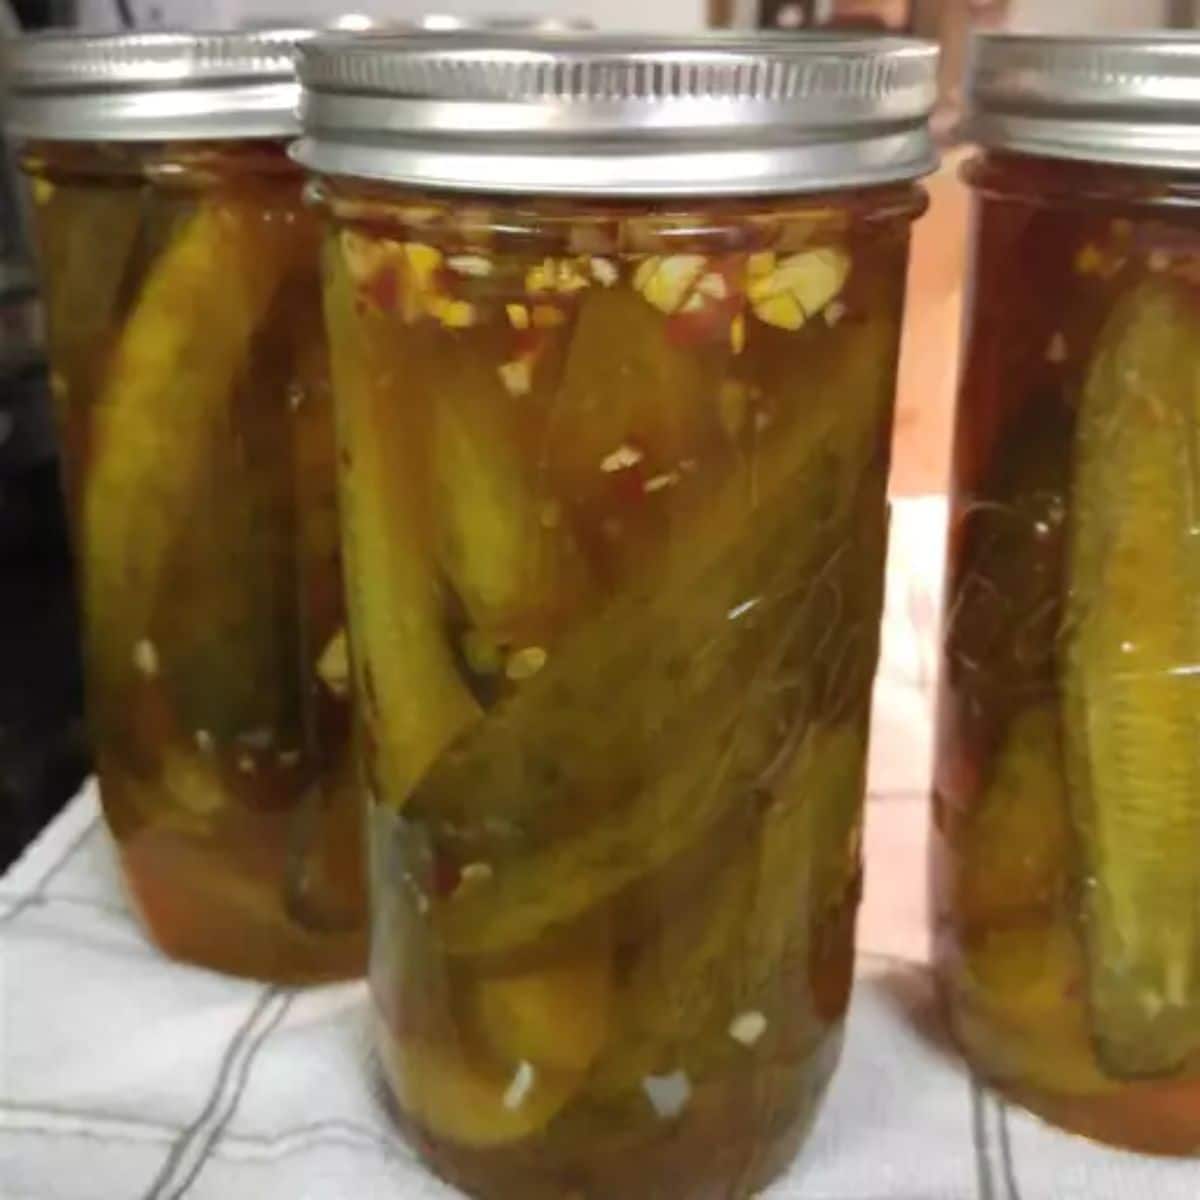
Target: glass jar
1067 793
189 374
614 419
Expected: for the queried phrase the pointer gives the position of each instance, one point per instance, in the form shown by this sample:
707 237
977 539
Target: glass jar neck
1051 182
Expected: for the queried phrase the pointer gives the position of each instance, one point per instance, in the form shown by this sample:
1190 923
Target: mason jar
613 329
1067 794
179 272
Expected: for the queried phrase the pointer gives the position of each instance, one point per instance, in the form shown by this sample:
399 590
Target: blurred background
42 747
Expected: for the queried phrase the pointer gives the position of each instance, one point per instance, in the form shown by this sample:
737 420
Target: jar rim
1126 98
616 115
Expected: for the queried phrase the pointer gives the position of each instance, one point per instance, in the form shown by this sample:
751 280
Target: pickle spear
160 411
808 851
1005 604
1132 645
517 576
1012 845
696 648
475 1104
89 233
225 623
624 382
491 1062
413 700
669 636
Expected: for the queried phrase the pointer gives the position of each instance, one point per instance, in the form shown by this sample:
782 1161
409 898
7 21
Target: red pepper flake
381 289
707 324
447 876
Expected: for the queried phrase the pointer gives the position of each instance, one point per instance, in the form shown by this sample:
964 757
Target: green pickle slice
1132 647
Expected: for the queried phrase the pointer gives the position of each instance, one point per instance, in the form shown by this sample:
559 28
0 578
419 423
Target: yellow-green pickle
1067 802
190 376
613 471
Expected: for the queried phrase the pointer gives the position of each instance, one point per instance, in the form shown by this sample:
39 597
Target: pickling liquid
190 379
613 500
1067 794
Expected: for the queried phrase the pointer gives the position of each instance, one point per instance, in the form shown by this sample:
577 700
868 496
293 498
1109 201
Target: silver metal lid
152 86
1131 99
619 116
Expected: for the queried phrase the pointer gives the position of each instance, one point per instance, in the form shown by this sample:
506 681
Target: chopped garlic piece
621 459
476 872
333 667
423 261
571 278
748 1027
453 314
364 256
604 271
525 663
204 741
473 265
540 278
245 764
1056 350
520 1087
760 264
666 281
737 334
713 284
289 758
668 1094
834 313
556 275
738 611
517 376
421 265
656 483
145 658
1158 261
799 287
518 316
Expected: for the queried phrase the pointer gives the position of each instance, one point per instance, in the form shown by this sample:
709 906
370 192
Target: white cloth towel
124 1076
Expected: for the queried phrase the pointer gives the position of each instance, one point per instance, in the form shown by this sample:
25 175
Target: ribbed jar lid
616 115
1132 99
152 86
